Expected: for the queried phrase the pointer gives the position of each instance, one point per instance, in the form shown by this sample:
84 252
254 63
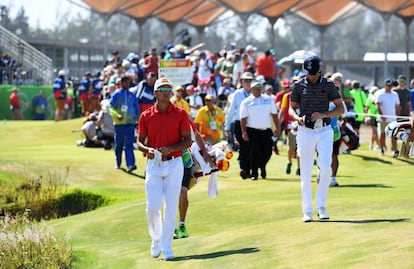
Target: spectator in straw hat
234 112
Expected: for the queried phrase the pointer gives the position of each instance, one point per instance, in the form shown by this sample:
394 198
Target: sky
43 12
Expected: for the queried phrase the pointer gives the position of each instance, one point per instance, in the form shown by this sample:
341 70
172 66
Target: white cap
61 73
162 82
251 48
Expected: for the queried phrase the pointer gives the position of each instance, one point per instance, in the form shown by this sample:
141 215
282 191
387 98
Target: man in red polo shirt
151 62
266 67
163 133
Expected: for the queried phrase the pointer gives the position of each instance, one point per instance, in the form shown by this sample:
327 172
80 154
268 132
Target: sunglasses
164 89
401 80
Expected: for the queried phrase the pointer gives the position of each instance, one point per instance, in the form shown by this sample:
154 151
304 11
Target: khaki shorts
381 127
292 140
85 106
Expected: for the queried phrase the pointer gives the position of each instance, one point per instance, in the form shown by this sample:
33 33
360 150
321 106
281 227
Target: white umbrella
297 57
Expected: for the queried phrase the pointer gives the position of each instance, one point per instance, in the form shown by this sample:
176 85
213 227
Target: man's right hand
151 153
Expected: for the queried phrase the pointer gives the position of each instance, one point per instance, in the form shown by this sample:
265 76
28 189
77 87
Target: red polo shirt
163 128
14 100
265 66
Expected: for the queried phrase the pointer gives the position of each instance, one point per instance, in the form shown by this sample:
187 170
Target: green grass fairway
249 225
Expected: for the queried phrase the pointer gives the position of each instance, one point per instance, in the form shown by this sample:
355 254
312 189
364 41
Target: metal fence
32 65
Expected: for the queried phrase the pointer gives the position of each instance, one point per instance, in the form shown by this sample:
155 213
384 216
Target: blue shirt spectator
124 107
59 86
39 105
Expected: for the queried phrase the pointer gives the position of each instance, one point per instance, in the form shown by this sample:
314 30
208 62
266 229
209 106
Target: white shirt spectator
204 69
194 100
388 102
258 111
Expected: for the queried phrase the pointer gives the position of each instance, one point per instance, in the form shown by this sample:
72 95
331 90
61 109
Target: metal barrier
33 62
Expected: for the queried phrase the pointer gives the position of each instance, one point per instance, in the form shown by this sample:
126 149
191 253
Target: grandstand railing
29 58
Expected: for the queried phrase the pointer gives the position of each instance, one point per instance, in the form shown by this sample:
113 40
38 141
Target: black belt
311 124
167 158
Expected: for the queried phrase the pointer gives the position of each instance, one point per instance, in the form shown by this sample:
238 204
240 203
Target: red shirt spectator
151 62
15 99
265 65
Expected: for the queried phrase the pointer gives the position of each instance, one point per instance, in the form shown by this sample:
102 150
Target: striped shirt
314 97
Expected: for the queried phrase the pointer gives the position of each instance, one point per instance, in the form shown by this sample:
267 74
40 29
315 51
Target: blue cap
388 82
312 65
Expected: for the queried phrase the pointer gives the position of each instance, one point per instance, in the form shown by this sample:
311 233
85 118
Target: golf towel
213 185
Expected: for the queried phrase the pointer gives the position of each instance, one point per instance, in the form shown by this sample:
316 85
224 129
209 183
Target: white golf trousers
308 141
163 184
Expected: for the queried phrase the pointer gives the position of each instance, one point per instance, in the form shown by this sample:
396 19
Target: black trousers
244 155
260 148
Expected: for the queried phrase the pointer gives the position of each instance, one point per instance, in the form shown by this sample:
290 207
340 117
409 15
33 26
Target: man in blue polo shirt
124 110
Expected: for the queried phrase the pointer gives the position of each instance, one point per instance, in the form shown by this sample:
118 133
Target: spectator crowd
214 93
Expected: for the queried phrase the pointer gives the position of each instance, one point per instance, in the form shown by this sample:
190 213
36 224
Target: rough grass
250 224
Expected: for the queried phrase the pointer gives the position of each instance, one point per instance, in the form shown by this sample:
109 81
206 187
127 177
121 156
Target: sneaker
307 217
182 231
288 168
117 166
175 234
168 255
322 215
155 249
131 168
396 154
298 172
333 183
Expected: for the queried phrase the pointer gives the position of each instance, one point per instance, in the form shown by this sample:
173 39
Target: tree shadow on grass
367 221
296 179
409 161
132 173
368 158
364 186
217 254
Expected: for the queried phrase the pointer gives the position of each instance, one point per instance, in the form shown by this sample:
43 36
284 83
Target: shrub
44 197
77 202
24 244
